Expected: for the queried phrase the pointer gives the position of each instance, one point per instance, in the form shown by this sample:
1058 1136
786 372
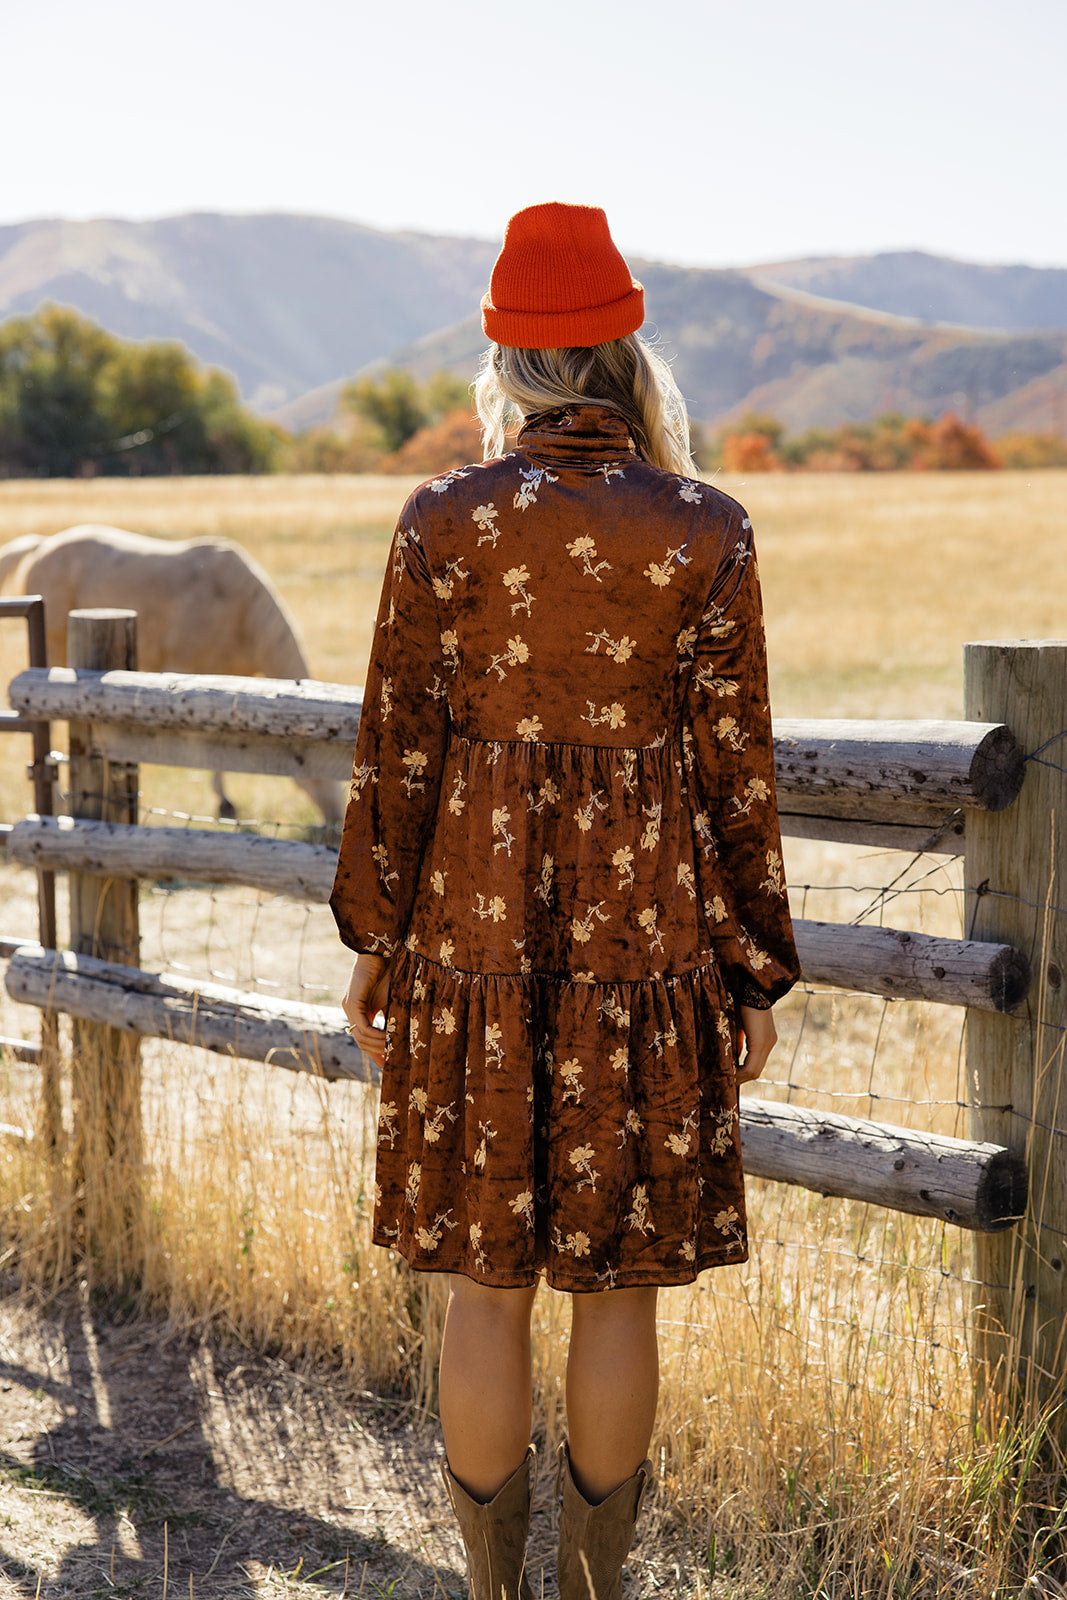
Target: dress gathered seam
564 978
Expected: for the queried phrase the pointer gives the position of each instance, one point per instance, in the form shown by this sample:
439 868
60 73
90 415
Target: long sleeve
400 750
731 773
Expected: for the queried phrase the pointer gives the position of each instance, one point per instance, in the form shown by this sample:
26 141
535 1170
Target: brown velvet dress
562 829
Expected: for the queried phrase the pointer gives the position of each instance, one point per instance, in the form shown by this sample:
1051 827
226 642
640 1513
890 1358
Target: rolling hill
295 305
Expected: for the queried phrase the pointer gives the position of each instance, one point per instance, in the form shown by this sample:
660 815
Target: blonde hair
624 375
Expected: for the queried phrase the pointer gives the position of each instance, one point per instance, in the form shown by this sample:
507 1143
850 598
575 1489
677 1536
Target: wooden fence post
106 1065
1016 882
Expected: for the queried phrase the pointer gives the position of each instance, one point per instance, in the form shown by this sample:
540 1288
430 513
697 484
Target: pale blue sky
713 133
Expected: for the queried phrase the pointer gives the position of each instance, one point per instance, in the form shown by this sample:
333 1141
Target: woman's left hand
366 995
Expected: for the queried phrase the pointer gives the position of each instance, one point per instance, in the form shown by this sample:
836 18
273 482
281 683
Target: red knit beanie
560 281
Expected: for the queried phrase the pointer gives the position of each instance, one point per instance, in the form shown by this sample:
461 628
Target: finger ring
350 1027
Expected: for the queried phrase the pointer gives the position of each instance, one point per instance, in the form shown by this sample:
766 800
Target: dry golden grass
816 1433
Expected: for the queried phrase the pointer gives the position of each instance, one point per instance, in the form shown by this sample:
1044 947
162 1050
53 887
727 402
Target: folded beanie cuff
561 330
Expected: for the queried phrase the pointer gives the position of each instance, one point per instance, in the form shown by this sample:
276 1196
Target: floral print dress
562 830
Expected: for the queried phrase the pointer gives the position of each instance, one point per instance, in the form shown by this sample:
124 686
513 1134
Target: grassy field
816 1439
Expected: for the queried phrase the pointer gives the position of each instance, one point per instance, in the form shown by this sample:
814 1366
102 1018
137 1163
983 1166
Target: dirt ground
134 1462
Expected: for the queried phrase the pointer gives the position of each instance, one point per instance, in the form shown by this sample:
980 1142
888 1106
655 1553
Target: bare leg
612 1387
486 1387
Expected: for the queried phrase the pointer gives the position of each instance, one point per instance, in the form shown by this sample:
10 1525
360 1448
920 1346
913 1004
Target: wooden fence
976 788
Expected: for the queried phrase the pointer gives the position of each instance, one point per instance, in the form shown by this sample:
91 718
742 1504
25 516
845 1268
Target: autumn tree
398 405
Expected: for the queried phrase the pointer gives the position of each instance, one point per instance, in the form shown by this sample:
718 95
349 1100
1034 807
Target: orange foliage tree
451 442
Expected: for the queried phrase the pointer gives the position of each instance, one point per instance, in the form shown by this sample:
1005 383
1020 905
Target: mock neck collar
576 436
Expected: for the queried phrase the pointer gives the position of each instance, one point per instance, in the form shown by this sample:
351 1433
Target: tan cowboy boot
494 1534
601 1534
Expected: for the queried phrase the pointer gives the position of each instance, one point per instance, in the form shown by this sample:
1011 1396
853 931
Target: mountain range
293 306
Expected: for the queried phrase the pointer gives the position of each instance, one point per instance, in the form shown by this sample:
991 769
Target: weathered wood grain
283 1033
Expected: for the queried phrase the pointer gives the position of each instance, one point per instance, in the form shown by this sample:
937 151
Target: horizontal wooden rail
283 1033
836 767
883 961
20 1050
978 1186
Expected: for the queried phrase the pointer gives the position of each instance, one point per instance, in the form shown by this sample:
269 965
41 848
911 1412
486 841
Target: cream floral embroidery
715 909
623 862
728 1222
616 1013
437 881
411 1190
444 587
607 472
529 728
703 830
387 1128
432 1126
654 813
444 1021
688 1251
475 1234
726 731
665 1039
496 909
481 1154
385 700
724 688
571 1075
523 1206
661 572
446 952
418 1100
680 1144
722 1140
576 1244
614 715
533 478
686 880
365 773
581 1159
455 799
439 485
544 888
619 650
515 581
756 790
685 644
517 652
648 920
583 550
585 815
633 1124
774 882
620 1060
640 1215
547 795
416 762
503 839
485 517
716 624
430 1238
582 927
690 493
494 1044
450 648
381 855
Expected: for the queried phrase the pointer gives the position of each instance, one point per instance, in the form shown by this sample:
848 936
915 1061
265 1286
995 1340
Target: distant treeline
75 401
891 443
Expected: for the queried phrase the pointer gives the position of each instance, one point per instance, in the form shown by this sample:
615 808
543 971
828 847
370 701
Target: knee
508 1307
633 1307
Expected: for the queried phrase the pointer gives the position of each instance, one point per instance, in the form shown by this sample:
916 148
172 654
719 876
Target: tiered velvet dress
562 830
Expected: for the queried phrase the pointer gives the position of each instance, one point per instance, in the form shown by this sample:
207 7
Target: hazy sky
712 133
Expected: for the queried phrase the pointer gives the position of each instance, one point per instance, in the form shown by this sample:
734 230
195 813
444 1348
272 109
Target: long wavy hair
624 375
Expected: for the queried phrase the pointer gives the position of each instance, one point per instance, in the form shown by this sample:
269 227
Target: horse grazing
203 605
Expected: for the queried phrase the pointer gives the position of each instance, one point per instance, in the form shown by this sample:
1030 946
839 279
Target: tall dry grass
817 1434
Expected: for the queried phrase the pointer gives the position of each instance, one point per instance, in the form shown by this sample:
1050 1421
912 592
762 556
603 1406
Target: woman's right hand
366 995
760 1037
